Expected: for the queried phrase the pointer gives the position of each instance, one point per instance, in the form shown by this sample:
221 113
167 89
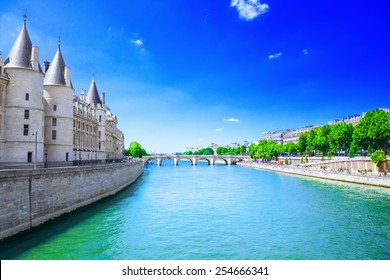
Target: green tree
373 130
340 137
136 150
302 142
378 157
243 150
291 147
320 137
251 151
310 139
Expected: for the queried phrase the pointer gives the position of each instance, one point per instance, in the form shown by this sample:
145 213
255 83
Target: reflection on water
218 212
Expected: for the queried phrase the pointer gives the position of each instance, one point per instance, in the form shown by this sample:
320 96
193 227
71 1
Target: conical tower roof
55 75
20 53
93 95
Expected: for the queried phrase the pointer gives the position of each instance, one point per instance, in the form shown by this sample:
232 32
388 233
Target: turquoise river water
218 212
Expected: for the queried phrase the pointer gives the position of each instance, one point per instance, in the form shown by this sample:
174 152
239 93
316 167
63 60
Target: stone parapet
323 174
31 197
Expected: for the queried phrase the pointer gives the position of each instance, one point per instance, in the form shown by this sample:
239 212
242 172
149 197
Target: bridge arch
222 159
209 160
187 158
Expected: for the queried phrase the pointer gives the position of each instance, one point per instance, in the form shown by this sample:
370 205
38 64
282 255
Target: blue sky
189 73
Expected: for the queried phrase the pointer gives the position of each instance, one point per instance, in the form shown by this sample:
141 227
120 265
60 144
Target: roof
20 53
55 75
93 95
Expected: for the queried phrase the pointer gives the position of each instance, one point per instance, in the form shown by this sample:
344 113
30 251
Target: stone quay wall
366 179
31 197
352 165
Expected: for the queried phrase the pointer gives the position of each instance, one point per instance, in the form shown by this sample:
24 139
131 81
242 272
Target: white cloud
137 42
249 9
276 55
219 129
109 29
201 139
305 51
231 120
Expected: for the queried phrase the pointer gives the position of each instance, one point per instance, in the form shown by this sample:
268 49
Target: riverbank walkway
335 175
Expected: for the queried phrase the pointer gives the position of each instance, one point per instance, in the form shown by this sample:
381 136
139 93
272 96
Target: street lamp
45 158
35 149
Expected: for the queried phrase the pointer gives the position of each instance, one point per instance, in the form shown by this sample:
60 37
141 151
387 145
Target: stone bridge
211 159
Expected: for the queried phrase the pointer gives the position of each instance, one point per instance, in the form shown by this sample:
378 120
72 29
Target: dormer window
27 97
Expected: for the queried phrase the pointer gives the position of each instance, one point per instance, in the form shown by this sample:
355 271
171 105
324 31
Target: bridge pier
229 160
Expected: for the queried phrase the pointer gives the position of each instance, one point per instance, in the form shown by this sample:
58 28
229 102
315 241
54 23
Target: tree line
135 150
371 134
219 151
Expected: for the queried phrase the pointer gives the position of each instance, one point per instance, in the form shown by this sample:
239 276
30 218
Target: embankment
31 197
323 174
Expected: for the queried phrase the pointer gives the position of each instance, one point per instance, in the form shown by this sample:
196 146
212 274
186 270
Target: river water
218 212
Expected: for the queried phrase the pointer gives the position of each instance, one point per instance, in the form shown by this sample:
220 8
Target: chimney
34 58
46 65
1 64
82 95
67 76
103 98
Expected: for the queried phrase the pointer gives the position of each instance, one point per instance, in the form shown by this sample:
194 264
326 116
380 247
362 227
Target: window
27 96
54 107
25 130
100 134
26 114
67 157
100 118
99 146
54 122
74 123
29 156
54 134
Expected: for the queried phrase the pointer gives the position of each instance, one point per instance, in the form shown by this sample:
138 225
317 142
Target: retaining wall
31 197
323 174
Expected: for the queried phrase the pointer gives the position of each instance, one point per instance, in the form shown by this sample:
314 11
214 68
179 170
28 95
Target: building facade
41 118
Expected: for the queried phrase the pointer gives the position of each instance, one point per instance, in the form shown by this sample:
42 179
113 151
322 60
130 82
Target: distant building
40 117
292 135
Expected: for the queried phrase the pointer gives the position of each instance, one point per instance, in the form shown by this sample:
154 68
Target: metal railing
54 164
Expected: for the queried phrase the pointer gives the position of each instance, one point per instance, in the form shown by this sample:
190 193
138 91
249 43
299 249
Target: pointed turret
93 95
20 53
55 75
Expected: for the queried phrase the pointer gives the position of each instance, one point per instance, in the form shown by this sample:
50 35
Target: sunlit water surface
218 212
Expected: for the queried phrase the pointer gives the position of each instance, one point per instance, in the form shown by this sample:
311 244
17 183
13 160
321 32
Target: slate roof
55 75
93 95
20 53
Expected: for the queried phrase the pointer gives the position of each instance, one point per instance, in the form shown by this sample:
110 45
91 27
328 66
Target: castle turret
58 95
93 99
3 86
23 135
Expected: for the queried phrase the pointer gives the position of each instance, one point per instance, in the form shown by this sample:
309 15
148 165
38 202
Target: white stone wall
62 98
17 145
101 118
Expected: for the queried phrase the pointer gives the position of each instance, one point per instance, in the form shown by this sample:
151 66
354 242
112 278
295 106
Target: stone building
41 119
